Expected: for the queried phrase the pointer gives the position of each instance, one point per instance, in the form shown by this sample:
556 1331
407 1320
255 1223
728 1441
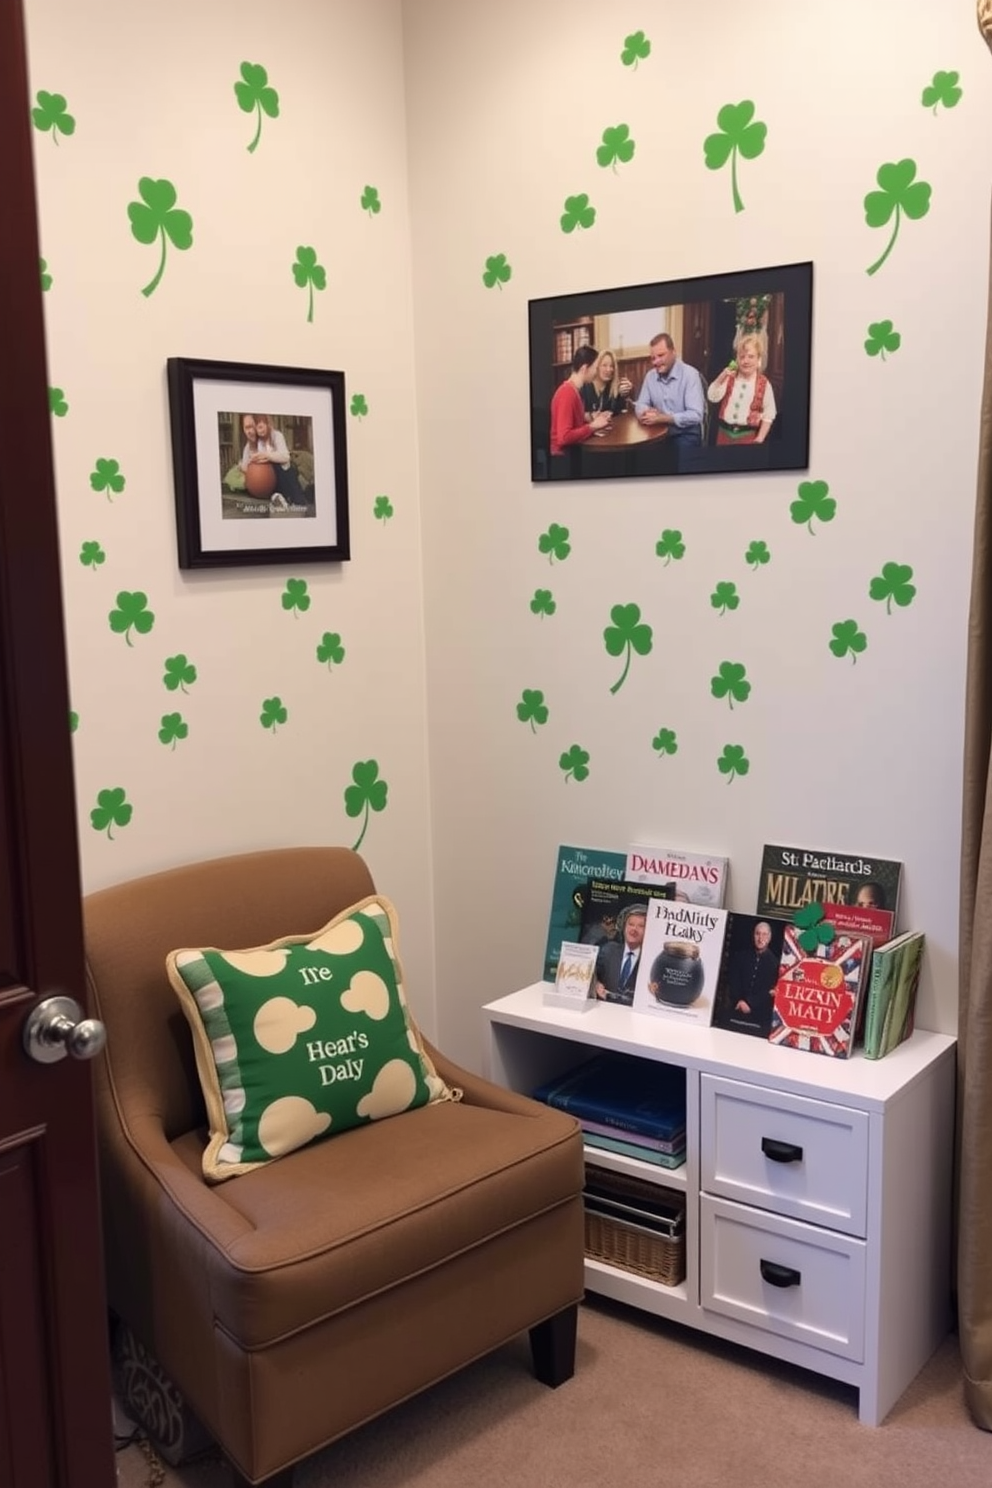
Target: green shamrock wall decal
943 89
50 112
893 585
106 476
757 554
368 793
497 271
91 555
737 135
725 597
382 509
180 673
814 930
309 274
577 213
665 742
532 709
370 201
814 501
156 216
670 545
274 712
733 761
555 543
57 403
617 147
731 682
848 640
253 92
882 338
900 195
574 763
295 597
626 635
543 603
132 613
359 408
174 727
330 649
73 721
636 48
112 809
46 278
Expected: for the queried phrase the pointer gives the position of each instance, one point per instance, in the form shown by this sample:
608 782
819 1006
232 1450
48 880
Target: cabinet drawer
788 1278
792 1155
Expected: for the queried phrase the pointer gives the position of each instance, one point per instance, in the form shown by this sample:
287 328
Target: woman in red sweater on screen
568 415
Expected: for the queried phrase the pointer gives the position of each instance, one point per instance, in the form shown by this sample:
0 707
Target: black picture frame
287 511
702 315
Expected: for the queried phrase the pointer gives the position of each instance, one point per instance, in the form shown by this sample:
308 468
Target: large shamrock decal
157 216
739 134
900 195
368 793
626 635
253 92
309 273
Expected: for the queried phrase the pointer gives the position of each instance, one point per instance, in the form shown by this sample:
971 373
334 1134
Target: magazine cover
680 966
752 952
696 878
817 994
792 877
575 866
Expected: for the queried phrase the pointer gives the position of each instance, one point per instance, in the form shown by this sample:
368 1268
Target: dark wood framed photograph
260 463
684 377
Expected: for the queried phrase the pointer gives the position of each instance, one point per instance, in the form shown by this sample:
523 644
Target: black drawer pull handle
783 1152
780 1276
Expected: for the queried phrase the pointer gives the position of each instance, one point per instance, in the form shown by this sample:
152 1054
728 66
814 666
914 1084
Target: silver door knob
56 1027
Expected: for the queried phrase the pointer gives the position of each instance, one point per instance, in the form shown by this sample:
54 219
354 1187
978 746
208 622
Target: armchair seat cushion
331 1225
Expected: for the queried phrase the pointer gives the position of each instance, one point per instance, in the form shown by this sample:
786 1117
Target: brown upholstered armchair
293 1303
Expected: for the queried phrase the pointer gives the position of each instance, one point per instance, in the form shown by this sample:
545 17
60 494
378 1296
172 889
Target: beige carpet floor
652 1405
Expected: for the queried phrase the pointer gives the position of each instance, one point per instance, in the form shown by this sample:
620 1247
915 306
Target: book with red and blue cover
818 993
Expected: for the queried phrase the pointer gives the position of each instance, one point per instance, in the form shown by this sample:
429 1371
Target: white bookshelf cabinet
833 1253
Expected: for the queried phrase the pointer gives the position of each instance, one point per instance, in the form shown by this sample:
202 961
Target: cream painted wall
506 110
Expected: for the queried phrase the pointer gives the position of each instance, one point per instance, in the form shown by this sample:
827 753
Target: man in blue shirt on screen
672 393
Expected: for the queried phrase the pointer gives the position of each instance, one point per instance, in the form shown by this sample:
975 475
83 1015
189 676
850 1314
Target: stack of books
623 1104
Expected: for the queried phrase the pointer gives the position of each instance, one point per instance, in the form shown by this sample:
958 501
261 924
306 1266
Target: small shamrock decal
670 545
157 216
814 501
497 271
900 195
893 585
737 136
46 278
370 201
180 673
577 213
626 635
50 113
848 639
308 272
725 597
106 476
733 761
757 554
273 713
91 555
543 602
367 794
73 721
617 146
814 929
132 613
330 649
359 407
295 596
555 543
382 510
882 338
635 48
111 810
57 403
532 709
942 90
574 763
665 742
731 682
174 727
253 92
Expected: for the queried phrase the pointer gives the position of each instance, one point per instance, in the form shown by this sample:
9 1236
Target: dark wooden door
55 1411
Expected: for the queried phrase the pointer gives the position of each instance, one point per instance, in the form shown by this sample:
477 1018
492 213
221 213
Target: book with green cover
891 1003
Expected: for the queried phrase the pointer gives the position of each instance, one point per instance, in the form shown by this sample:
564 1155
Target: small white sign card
573 984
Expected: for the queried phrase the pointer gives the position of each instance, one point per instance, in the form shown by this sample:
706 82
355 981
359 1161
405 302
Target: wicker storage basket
624 1243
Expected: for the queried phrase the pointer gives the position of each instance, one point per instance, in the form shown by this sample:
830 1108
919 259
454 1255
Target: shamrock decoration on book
814 929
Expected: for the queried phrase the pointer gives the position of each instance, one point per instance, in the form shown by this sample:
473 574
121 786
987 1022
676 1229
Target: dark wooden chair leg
282 1479
552 1346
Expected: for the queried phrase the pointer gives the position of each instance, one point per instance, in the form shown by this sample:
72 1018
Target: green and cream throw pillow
302 1038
